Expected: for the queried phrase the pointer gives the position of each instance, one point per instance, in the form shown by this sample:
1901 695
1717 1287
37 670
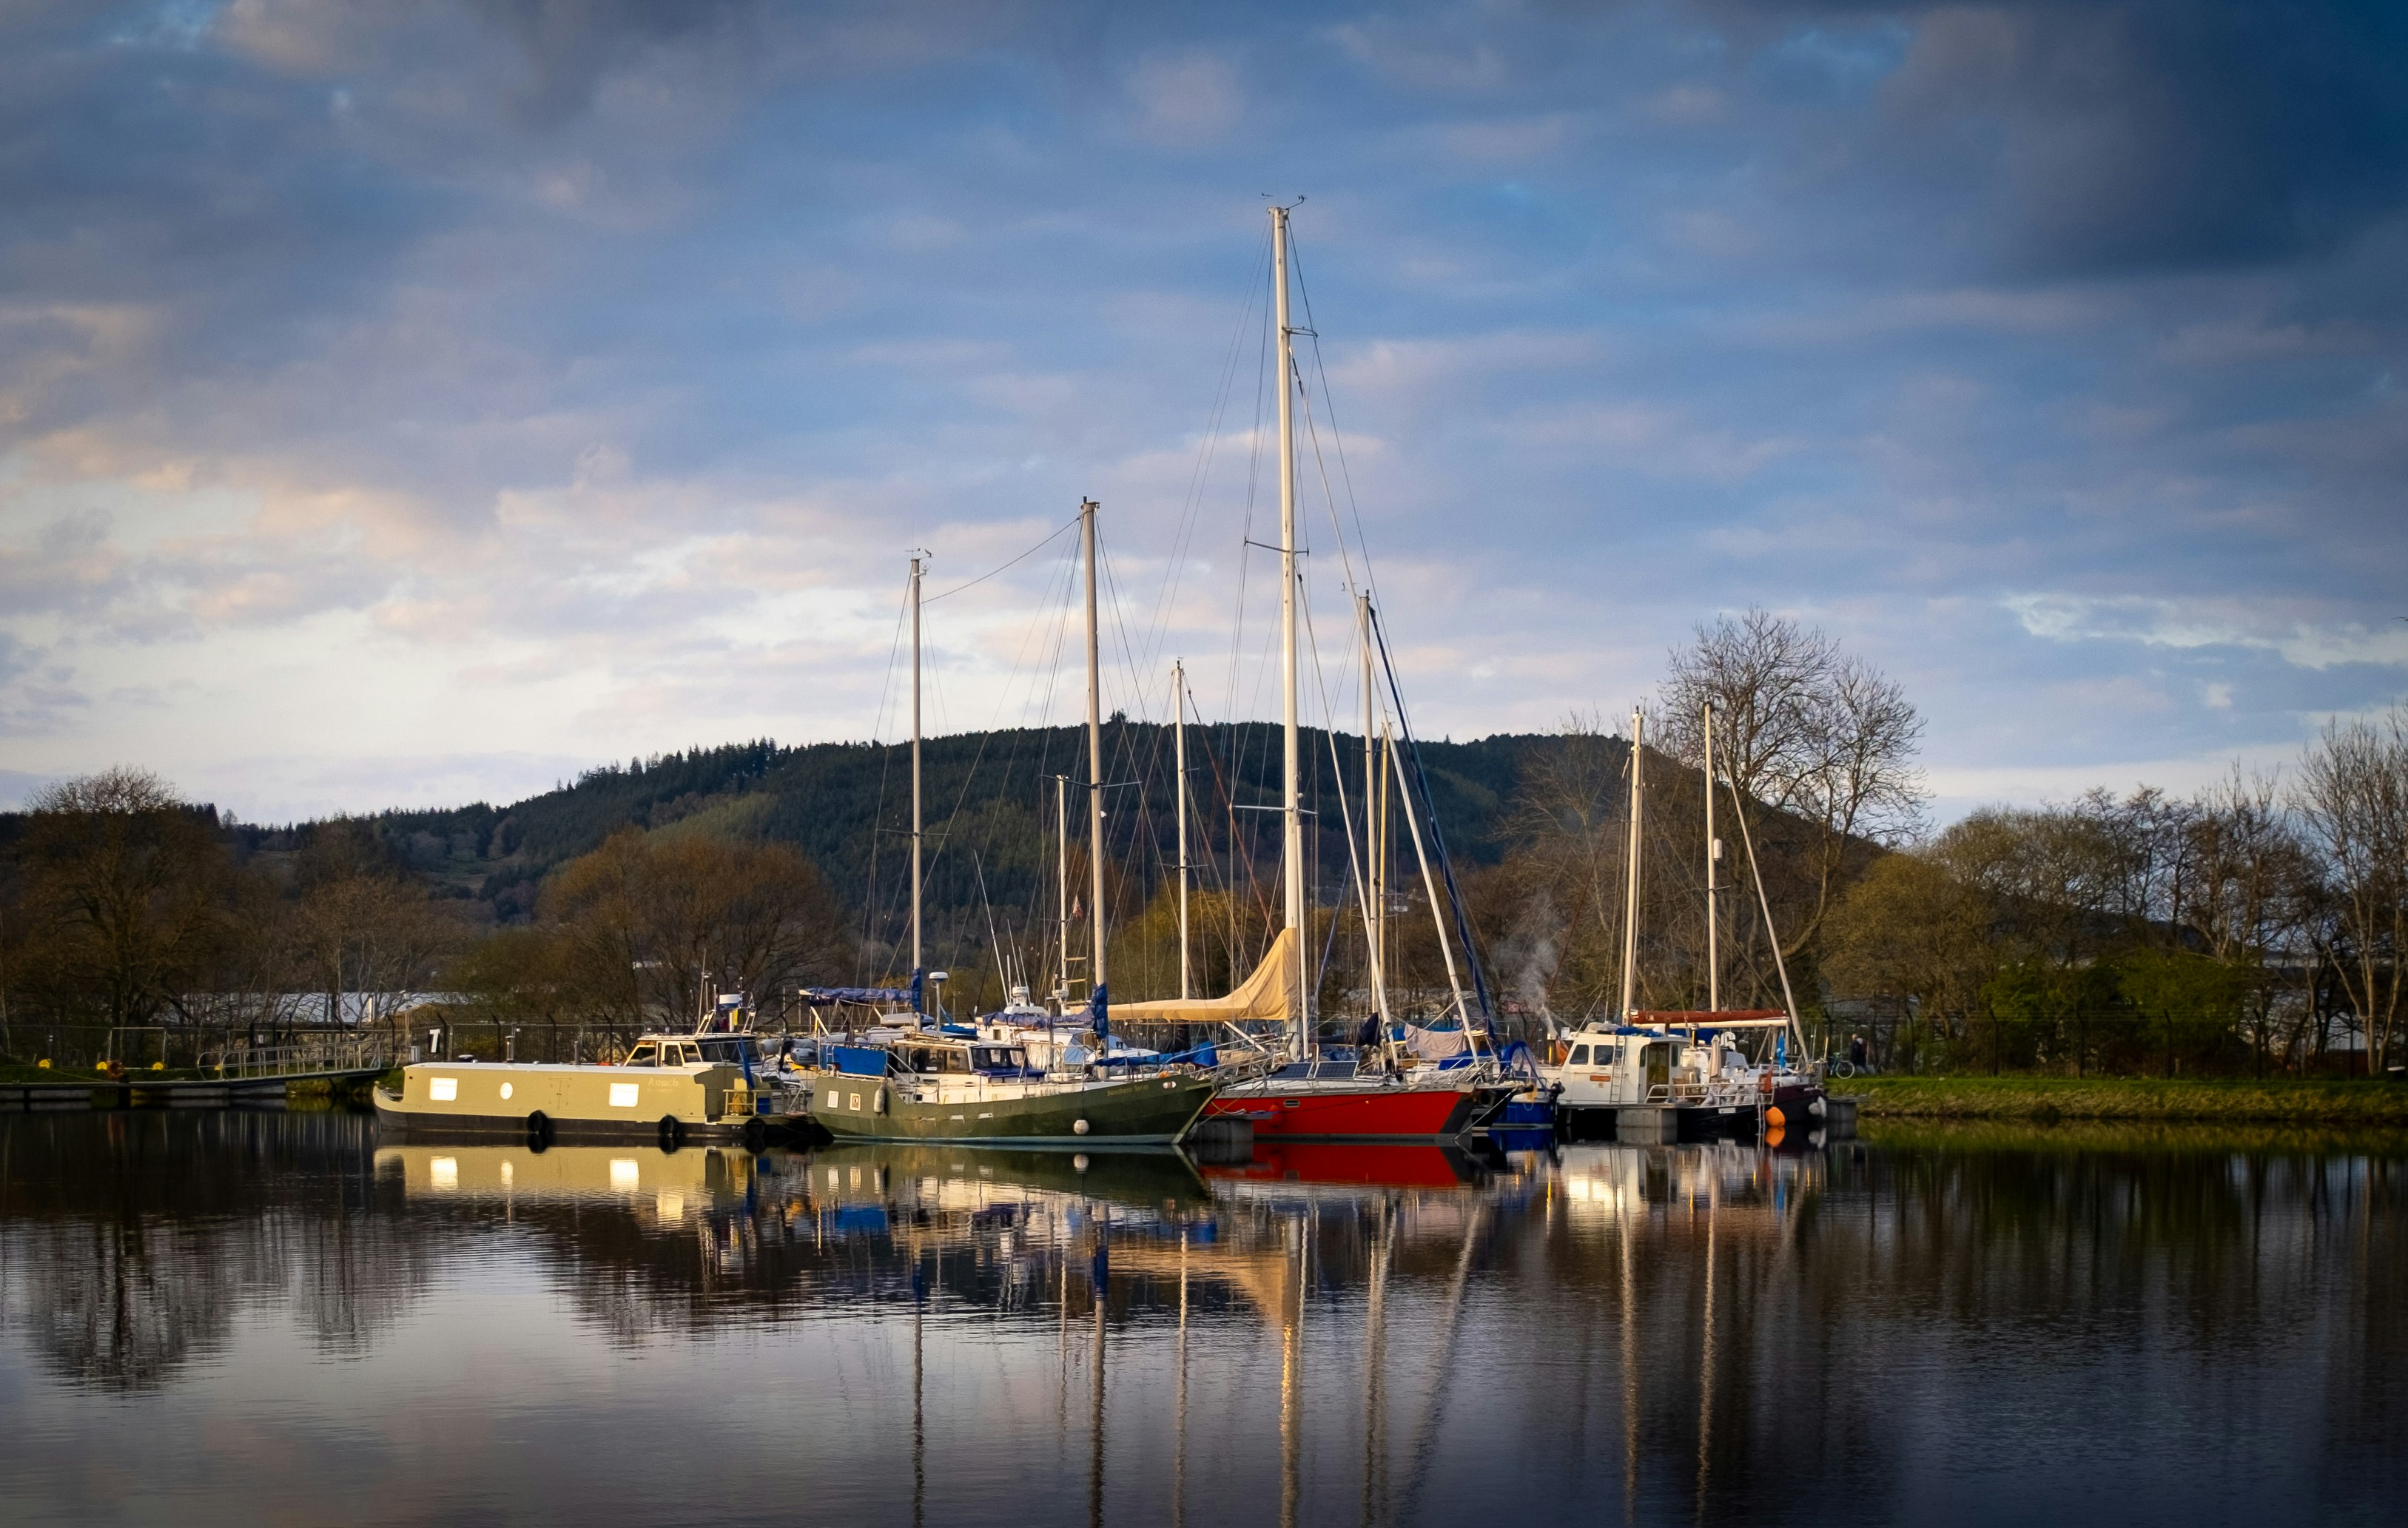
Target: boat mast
915 786
1095 993
1714 852
1292 818
1062 889
1373 911
1630 893
1429 887
1179 763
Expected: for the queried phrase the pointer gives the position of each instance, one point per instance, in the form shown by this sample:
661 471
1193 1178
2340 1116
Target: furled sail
1269 993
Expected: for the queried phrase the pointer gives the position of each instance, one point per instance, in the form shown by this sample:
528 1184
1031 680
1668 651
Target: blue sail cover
1098 1009
866 996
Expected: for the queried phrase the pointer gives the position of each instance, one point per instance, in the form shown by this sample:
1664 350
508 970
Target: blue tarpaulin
859 1060
867 996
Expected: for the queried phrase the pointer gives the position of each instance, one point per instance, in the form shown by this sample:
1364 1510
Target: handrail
247 1062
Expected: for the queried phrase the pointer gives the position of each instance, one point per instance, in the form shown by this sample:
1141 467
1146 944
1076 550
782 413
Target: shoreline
2044 1100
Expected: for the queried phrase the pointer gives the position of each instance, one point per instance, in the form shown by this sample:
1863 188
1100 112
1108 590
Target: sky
417 403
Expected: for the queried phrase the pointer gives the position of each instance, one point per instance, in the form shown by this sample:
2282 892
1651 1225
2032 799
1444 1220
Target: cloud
572 377
1188 98
2169 134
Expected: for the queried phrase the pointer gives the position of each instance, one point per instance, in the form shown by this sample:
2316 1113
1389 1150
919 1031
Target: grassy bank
2156 1136
2045 1099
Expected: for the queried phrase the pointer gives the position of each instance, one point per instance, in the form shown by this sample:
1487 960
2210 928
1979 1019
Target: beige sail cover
1267 995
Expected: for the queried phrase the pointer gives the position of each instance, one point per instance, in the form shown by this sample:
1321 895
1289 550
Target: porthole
505 1090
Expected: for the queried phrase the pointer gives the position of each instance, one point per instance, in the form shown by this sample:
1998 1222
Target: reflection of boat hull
1143 1111
1354 1163
1153 1178
1370 1112
569 1132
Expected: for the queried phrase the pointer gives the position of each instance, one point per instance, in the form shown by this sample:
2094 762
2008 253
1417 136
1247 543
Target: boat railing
1676 1092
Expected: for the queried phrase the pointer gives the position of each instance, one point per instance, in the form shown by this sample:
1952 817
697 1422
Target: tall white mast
1714 852
1630 893
915 782
1372 910
1292 817
1179 763
1062 889
1095 763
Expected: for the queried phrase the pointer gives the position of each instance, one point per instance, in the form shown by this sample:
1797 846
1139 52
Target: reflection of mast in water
1292 1378
1103 1274
1062 1353
1434 1403
1179 1419
919 1415
1375 1396
1706 1357
1629 1371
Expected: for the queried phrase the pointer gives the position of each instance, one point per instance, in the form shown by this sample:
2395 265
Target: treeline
139 926
2256 926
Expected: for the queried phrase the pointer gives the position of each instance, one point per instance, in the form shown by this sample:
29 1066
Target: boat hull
572 1102
1143 1111
1365 1114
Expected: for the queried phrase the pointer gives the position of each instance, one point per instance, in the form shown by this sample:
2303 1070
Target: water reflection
1982 1329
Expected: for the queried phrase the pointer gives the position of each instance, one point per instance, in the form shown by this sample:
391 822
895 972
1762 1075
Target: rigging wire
931 599
1338 439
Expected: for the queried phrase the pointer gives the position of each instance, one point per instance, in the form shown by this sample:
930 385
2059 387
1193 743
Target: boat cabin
691 1050
1608 1070
939 1058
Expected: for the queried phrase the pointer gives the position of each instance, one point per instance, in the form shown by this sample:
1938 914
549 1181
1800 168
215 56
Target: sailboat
1371 1093
941 1082
1698 1063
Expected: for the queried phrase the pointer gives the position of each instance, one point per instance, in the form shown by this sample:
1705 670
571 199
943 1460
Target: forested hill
990 801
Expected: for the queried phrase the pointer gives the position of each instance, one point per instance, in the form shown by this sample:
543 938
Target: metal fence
313 1057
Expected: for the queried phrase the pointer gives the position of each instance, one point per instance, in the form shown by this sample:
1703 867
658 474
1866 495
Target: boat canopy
865 996
1267 995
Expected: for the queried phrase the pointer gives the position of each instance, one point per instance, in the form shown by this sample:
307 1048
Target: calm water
212 1316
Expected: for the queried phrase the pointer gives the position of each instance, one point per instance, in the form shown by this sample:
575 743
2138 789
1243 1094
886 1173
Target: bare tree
650 925
2250 897
122 886
2351 796
1805 731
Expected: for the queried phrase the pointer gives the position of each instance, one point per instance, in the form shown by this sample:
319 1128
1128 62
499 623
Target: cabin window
921 1061
643 1056
954 1061
1579 1056
996 1058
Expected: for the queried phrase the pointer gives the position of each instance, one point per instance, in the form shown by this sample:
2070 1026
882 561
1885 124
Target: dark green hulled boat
943 1088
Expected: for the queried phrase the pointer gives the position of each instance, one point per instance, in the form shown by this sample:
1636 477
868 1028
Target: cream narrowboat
670 1087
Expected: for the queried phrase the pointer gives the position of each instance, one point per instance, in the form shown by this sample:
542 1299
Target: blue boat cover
867 996
858 1059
